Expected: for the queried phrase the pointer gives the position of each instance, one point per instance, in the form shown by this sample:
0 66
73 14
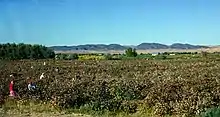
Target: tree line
14 51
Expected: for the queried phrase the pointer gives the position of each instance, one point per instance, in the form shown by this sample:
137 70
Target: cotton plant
42 76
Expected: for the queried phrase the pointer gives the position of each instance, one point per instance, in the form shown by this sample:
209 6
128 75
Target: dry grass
30 109
42 115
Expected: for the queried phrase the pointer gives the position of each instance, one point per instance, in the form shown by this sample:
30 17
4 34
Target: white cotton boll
11 75
29 86
32 67
56 70
42 76
44 63
217 80
73 79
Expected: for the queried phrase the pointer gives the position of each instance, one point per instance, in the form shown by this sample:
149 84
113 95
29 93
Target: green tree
62 56
25 51
72 57
108 57
131 52
21 50
50 53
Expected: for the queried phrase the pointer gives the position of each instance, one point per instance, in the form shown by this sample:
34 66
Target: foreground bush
213 112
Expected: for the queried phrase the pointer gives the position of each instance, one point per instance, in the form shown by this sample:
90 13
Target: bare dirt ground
213 49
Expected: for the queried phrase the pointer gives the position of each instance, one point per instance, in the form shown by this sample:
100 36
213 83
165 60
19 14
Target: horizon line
131 44
110 44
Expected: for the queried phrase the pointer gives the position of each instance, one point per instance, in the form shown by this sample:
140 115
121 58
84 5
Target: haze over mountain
142 46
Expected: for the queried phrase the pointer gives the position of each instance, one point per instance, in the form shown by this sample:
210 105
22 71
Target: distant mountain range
142 46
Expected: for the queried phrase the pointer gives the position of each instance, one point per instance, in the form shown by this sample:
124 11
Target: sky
126 22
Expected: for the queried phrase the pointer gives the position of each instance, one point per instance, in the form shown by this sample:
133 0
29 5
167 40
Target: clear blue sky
73 22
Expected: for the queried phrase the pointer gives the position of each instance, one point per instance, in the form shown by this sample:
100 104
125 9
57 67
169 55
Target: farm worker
11 89
31 85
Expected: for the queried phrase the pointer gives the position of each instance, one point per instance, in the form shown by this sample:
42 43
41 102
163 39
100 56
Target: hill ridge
142 46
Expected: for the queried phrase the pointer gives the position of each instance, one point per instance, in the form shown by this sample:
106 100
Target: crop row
168 87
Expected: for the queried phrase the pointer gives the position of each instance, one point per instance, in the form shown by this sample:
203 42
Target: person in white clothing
31 85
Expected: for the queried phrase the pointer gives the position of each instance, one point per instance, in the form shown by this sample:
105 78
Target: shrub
72 57
108 57
91 57
66 56
213 112
61 56
204 54
161 57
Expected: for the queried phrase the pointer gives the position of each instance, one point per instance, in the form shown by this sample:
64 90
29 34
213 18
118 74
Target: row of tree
25 51
66 56
130 52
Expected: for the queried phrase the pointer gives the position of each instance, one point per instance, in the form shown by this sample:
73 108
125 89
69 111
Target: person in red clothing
11 89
